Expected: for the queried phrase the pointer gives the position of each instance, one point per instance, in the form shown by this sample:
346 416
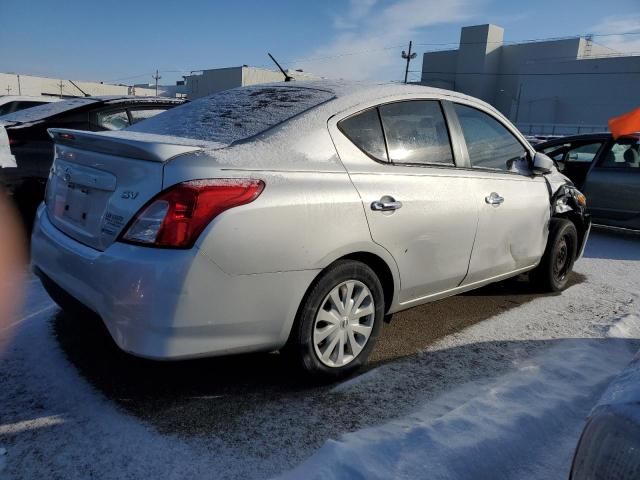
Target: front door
513 205
612 187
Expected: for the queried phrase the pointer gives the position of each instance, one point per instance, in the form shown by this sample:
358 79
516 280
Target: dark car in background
606 170
26 142
15 103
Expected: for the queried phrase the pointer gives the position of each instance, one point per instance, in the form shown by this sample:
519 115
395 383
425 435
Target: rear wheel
557 262
338 321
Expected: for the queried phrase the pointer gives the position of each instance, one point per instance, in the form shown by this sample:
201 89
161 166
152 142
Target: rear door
400 159
613 184
513 205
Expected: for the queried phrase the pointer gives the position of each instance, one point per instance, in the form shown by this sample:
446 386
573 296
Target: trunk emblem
129 195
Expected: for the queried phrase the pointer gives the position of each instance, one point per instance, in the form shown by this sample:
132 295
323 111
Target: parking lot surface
73 406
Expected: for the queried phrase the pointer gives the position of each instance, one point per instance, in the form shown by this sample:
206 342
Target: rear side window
143 114
6 108
624 153
234 115
489 143
113 120
365 131
416 132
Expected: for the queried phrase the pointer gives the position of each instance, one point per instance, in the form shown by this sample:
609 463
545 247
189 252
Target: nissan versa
296 217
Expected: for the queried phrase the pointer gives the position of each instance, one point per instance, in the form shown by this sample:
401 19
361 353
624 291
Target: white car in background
296 217
15 103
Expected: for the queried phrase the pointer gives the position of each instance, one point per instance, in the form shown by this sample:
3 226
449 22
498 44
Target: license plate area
72 203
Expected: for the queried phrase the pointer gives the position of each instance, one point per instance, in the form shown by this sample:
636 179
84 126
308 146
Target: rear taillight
176 217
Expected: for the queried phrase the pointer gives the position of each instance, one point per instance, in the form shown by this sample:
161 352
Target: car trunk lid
99 181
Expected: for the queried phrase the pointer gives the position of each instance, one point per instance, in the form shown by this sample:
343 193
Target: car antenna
287 77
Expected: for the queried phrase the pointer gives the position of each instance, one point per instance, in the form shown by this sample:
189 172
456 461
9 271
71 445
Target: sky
120 41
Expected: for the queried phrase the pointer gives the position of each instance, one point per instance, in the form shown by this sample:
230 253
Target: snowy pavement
495 383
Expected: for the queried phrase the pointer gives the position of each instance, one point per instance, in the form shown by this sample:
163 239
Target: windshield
234 115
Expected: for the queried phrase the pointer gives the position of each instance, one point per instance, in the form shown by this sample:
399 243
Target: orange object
625 124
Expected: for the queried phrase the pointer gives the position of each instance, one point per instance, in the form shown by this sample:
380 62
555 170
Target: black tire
559 256
300 346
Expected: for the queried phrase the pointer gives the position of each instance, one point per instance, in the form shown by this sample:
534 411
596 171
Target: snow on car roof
42 112
232 115
237 114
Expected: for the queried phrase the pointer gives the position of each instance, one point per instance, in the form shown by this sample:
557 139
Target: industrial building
206 82
16 84
560 86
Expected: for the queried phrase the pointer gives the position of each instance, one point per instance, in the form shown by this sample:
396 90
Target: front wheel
557 262
338 321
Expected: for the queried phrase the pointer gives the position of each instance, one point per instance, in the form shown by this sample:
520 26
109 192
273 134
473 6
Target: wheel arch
581 227
388 276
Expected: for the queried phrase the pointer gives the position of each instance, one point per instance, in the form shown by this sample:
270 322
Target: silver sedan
297 217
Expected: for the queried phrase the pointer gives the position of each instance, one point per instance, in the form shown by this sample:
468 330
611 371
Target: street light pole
408 56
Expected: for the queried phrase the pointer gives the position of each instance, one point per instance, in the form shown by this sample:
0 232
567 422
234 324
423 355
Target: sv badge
129 195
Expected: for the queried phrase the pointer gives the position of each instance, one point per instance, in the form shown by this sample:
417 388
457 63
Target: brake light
177 216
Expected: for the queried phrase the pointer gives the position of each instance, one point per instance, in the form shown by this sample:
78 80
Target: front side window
580 153
489 143
365 131
113 120
416 132
625 153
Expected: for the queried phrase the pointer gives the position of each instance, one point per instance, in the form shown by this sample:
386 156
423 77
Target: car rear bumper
169 304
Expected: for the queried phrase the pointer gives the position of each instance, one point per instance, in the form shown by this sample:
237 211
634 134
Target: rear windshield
234 115
47 110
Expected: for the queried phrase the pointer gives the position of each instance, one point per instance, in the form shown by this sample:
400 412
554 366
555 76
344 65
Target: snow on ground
504 398
522 425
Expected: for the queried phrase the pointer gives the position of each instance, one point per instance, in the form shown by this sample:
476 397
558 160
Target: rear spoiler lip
98 142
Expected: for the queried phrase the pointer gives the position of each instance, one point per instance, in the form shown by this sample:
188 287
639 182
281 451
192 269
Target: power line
395 47
530 74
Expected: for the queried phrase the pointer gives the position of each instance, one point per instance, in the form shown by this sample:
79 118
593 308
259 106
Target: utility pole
19 88
408 57
61 85
8 89
156 77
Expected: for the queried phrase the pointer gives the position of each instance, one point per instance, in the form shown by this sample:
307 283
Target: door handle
494 199
385 204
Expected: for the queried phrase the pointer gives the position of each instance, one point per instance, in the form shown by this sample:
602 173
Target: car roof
360 92
43 112
27 98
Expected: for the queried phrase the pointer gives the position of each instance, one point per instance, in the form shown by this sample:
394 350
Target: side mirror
542 164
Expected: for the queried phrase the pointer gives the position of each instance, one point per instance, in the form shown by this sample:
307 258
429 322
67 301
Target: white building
16 84
206 82
556 86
